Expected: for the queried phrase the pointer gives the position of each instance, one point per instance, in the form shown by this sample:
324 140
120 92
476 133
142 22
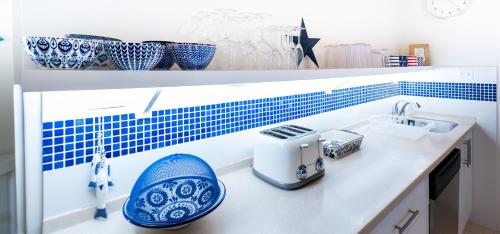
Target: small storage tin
341 143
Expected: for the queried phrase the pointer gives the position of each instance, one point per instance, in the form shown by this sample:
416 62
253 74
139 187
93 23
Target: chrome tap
402 111
395 108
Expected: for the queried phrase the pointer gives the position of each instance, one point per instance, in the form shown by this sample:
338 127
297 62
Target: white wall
469 39
6 77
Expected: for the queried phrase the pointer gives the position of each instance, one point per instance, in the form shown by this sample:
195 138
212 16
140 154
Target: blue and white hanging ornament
100 178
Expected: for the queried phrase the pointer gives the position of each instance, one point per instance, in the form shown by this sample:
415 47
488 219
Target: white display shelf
66 80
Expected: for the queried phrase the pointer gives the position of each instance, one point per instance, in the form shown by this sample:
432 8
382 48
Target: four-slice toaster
288 156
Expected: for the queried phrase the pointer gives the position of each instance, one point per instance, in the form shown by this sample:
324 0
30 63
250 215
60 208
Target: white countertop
353 196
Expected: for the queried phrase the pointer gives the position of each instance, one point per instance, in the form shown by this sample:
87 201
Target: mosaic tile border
463 91
71 142
68 143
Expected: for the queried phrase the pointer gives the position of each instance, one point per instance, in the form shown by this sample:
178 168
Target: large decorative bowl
193 56
167 61
62 53
173 192
134 56
102 60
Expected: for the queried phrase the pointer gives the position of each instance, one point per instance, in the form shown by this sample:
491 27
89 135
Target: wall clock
447 8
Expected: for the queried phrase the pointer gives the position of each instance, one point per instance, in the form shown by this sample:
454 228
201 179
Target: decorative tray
341 143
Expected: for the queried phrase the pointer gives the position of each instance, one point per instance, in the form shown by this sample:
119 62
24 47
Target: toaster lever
302 170
320 145
320 166
302 147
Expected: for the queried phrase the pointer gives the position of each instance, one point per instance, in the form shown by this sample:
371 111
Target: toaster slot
293 130
269 133
301 128
283 132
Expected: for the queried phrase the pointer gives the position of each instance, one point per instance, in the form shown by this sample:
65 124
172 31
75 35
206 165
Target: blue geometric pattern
170 205
174 190
192 56
62 53
463 91
71 142
167 61
134 56
102 59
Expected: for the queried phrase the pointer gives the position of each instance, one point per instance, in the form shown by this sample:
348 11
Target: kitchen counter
353 196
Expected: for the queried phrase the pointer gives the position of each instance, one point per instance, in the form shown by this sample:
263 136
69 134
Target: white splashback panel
63 105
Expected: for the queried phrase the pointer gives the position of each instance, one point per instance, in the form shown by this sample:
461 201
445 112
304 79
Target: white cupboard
465 187
411 215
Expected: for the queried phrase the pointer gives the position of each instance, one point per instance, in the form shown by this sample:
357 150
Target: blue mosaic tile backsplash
71 142
464 91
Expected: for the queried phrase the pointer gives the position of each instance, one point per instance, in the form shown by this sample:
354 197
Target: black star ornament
307 45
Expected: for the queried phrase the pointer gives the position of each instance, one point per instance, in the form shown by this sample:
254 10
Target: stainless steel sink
409 127
415 122
439 126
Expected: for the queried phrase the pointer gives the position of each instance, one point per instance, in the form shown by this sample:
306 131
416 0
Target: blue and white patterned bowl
102 60
62 53
134 56
193 56
173 192
167 61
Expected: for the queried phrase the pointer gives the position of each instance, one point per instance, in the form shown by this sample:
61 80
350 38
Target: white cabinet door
411 215
465 197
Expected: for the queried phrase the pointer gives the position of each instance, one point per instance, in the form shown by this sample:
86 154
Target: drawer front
411 215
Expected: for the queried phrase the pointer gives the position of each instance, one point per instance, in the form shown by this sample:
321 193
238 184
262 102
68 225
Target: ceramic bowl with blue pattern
62 53
134 56
102 60
167 61
193 56
173 192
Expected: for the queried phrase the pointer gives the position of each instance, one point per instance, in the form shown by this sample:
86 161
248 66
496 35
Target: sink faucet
396 110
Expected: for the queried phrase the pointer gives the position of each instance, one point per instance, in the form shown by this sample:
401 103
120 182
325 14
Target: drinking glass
297 48
330 56
226 53
264 51
288 47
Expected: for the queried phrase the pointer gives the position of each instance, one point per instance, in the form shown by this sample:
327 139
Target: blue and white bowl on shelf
102 60
193 56
62 53
134 56
174 192
167 61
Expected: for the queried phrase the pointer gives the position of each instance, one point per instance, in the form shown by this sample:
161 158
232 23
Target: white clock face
447 8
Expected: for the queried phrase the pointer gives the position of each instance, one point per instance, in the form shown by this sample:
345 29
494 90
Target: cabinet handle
469 152
402 229
466 159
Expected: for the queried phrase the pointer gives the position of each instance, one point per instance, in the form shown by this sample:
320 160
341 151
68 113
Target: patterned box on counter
412 61
421 61
403 61
394 61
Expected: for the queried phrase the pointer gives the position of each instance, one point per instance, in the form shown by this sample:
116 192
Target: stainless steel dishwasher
444 183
